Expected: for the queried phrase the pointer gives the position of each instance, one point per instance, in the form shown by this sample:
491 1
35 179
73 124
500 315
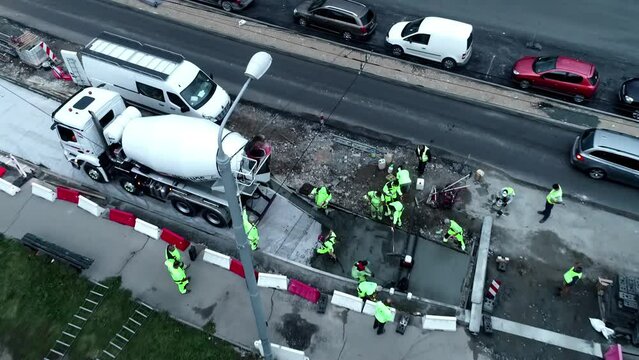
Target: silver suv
605 153
345 17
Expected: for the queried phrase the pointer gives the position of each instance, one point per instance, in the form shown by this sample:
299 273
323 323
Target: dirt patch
297 331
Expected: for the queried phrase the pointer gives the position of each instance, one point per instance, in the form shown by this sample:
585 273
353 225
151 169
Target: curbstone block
122 217
306 291
272 281
91 207
175 239
147 229
8 187
215 258
43 192
67 194
348 301
436 322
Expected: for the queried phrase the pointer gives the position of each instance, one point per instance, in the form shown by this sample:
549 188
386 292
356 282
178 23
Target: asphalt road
603 33
528 150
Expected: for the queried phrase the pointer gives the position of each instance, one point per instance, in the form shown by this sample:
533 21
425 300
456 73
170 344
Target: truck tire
184 207
93 173
217 217
130 186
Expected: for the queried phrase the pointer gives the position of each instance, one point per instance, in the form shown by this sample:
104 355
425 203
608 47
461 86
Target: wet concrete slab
438 273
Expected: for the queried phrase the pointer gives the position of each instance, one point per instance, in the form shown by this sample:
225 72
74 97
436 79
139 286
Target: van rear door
74 66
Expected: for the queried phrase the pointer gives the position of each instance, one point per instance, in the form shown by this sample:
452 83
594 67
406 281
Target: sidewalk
218 296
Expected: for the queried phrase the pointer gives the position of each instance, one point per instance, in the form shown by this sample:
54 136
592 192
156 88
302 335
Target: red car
559 74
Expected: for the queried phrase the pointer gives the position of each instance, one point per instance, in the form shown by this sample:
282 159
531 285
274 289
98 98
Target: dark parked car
629 97
228 5
607 154
345 17
560 74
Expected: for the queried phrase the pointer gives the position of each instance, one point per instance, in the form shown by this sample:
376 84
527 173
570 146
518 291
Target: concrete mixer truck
169 157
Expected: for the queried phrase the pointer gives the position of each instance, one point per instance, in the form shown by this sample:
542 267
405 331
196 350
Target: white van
446 41
148 77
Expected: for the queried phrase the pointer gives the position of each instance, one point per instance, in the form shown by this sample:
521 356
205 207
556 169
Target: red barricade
238 269
122 217
67 194
306 291
2 171
175 239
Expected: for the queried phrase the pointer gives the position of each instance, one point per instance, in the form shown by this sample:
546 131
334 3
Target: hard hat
446 221
504 192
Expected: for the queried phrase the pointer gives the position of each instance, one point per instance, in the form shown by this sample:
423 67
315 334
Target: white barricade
436 322
282 352
348 301
90 206
272 281
215 258
8 187
369 309
147 229
43 192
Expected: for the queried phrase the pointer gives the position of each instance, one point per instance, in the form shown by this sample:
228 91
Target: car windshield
199 91
368 17
587 139
412 27
315 4
543 64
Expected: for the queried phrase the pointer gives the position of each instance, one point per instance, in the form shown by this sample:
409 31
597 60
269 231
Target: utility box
28 48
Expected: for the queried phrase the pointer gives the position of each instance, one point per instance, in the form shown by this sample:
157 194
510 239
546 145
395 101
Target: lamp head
258 65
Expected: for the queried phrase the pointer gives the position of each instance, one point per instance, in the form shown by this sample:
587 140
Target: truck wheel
217 217
130 186
94 173
184 207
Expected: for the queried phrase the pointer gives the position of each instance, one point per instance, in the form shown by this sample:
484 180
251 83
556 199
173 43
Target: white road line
491 65
547 337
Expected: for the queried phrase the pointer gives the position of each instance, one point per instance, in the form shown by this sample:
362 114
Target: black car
345 17
629 97
227 5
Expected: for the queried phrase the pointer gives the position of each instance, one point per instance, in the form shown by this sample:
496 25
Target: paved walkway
218 295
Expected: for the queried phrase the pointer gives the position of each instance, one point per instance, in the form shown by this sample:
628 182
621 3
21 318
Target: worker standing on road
172 252
507 195
571 277
456 231
403 178
178 274
383 315
423 155
322 197
251 231
360 271
391 191
376 200
366 290
554 197
327 244
395 210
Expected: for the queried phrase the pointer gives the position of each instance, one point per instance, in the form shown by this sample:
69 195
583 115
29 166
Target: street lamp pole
257 66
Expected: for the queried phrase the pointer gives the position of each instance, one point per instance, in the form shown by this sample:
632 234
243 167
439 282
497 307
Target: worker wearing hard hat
360 271
327 244
367 290
383 314
322 197
423 155
251 231
506 195
376 199
403 178
456 231
395 211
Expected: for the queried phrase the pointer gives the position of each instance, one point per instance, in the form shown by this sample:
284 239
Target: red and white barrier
2 171
48 51
122 217
8 187
175 239
90 206
493 289
216 258
436 322
303 290
274 281
67 194
347 301
43 192
237 268
369 309
147 229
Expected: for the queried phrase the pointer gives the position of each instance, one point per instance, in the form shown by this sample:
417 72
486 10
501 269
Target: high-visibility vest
422 155
175 254
554 196
456 230
403 177
357 273
382 313
322 196
176 274
250 229
509 191
366 288
571 274
375 200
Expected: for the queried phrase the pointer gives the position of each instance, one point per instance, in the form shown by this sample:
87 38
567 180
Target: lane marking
491 65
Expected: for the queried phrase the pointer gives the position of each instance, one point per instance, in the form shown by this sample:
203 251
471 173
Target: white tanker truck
169 157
